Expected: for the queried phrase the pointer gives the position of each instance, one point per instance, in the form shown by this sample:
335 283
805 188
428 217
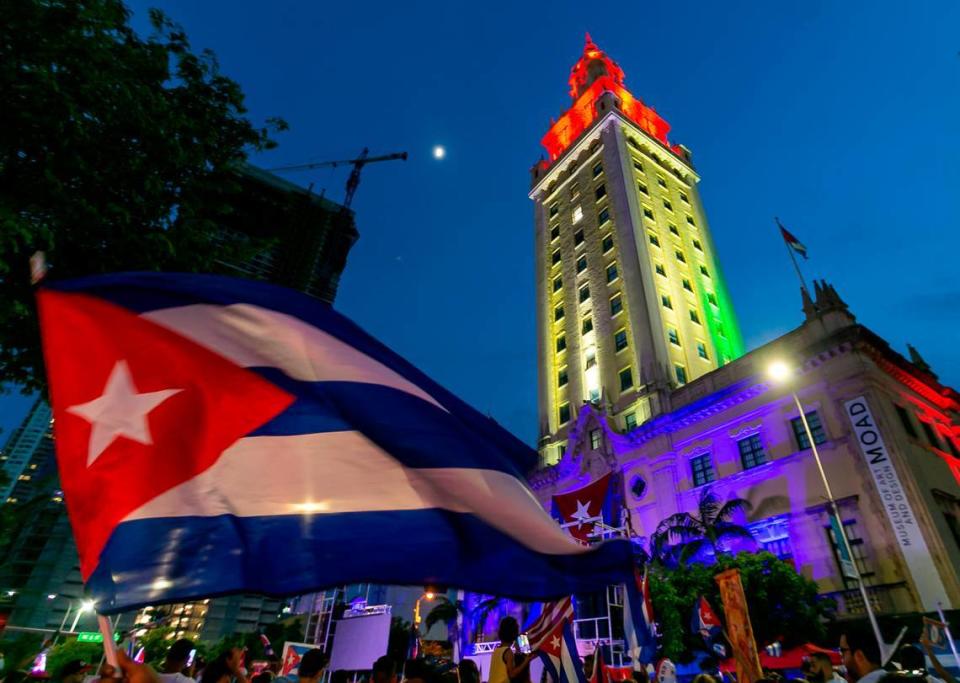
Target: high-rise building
631 300
270 230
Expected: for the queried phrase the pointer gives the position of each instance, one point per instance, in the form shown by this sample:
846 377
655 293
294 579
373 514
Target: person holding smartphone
507 663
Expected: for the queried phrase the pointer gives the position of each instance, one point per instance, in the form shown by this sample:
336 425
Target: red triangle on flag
138 409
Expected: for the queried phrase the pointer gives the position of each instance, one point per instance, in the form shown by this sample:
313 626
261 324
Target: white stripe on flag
553 614
251 336
334 472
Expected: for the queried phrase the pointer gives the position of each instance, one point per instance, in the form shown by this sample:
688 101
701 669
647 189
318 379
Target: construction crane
354 180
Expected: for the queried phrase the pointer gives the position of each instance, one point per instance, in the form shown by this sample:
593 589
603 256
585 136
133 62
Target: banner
739 628
894 499
847 567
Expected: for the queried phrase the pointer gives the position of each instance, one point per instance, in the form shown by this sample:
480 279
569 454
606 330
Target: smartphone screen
193 653
524 644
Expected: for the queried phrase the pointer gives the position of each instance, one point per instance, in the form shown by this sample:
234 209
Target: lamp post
85 606
428 595
781 373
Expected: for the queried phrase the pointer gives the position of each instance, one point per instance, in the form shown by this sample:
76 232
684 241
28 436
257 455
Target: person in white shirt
175 663
861 656
820 669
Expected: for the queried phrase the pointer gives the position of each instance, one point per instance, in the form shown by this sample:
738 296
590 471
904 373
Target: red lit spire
593 75
593 64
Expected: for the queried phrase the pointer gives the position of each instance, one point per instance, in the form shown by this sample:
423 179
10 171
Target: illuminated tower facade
631 302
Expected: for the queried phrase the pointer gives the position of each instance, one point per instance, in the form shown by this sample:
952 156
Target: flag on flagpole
551 637
705 621
580 510
639 627
217 435
792 241
267 647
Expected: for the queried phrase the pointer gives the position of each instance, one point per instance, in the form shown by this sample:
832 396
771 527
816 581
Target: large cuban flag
551 637
639 626
217 435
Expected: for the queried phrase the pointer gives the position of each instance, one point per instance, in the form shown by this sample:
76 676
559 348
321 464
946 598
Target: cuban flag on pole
791 240
551 637
639 627
705 621
580 510
217 435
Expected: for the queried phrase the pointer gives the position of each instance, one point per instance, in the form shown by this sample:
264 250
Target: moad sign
895 502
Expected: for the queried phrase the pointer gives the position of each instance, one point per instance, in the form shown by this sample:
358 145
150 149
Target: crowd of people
859 654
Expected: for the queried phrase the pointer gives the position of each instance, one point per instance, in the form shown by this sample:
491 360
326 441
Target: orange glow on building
593 75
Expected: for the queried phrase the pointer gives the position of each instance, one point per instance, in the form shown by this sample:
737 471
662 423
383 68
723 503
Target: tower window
595 439
694 318
564 413
665 300
558 313
554 232
704 271
906 421
667 205
686 285
603 216
681 373
636 164
574 191
630 420
607 243
751 452
712 298
554 210
578 238
691 221
616 305
597 170
816 428
660 270
674 337
600 192
643 189
683 196
931 433
581 264
561 343
697 245
562 377
702 350
587 326
555 259
654 240
584 293
626 379
661 182
648 213
674 230
620 340
557 284
680 257
611 272
577 214
701 469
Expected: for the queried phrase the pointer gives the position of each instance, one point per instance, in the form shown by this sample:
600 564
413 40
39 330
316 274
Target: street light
780 373
85 606
428 595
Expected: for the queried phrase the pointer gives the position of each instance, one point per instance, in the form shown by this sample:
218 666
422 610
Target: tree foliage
783 604
111 148
70 649
707 529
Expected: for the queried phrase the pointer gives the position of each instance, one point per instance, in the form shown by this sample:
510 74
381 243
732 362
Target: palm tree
450 612
706 529
481 611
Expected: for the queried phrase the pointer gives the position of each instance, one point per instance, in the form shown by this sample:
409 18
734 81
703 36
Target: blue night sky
841 118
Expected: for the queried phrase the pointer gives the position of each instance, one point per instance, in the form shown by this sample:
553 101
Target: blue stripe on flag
180 558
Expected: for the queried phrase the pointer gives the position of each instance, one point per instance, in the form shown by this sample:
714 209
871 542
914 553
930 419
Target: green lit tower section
631 300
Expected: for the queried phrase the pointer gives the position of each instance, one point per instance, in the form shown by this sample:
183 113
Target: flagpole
109 646
946 628
793 258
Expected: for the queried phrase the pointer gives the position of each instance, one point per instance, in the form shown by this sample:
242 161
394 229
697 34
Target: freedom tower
631 301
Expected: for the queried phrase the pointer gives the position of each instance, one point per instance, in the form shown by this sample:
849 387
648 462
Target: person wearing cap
73 671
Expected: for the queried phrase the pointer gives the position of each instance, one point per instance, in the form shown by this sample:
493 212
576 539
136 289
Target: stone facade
736 431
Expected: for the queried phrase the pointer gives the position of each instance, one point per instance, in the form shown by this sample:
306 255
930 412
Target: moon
439 152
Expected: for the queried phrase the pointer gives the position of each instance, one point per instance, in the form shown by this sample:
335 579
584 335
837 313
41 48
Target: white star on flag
582 514
555 643
120 411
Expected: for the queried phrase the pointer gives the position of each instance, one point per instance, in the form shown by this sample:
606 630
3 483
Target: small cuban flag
639 625
217 435
791 240
551 637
